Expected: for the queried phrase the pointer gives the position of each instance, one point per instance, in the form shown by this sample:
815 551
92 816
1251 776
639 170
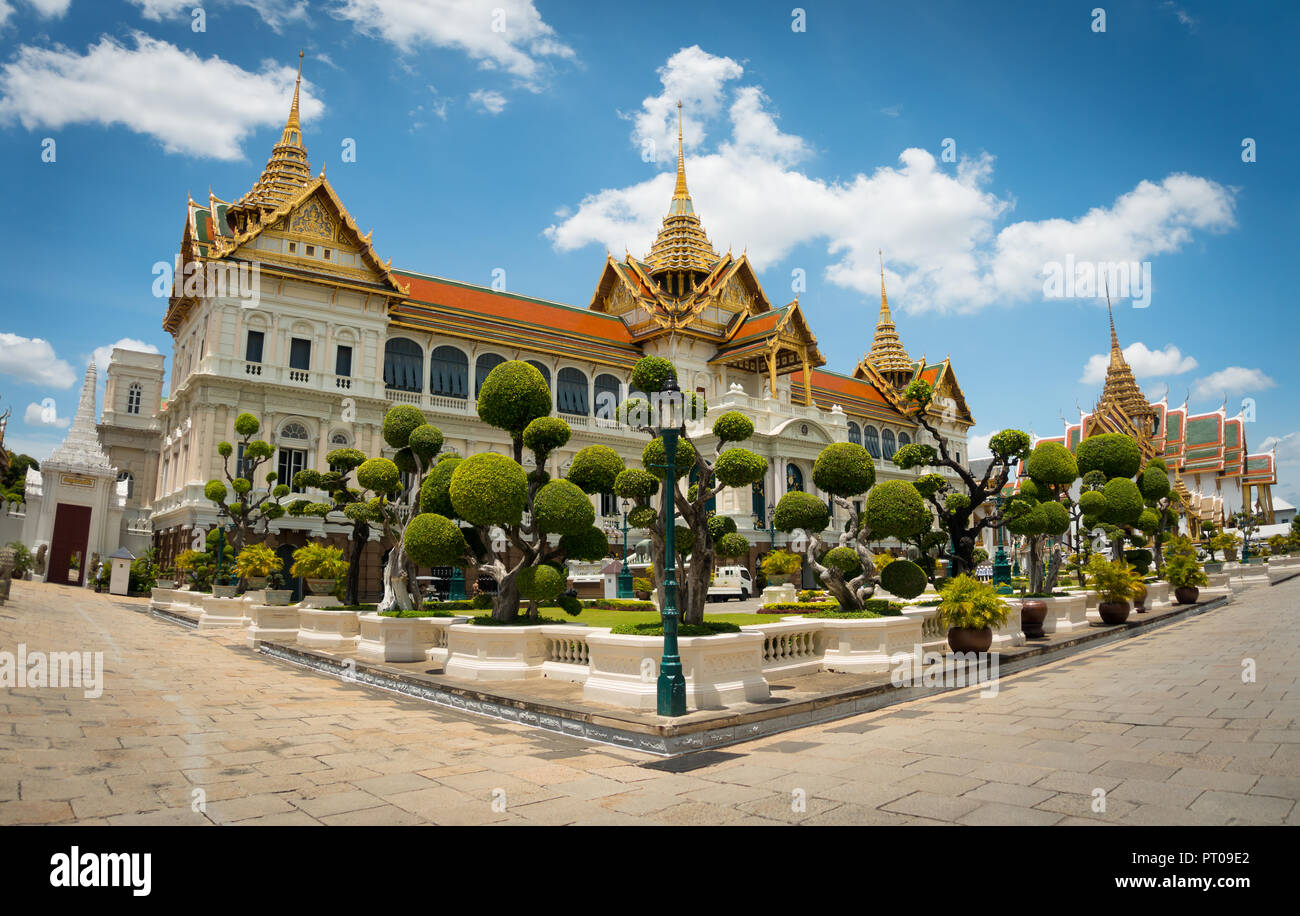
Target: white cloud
6 10
45 415
102 355
1144 362
49 9
506 35
193 106
489 100
32 359
1230 381
275 13
936 224
977 444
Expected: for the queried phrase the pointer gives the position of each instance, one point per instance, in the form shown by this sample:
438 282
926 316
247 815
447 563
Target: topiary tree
523 526
956 505
1042 509
1121 507
729 465
344 504
250 513
892 509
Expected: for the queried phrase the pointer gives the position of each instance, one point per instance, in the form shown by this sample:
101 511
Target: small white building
74 502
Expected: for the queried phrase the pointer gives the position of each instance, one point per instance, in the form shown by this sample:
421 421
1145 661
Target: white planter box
1157 594
223 612
272 622
320 601
1065 615
719 670
488 653
334 631
1217 580
162 597
1279 573
1009 634
790 647
400 639
871 645
568 657
780 594
934 637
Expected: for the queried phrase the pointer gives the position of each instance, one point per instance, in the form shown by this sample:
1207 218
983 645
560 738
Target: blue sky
532 141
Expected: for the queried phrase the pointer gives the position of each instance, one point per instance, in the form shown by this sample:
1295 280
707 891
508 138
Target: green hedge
800 606
426 612
487 620
656 628
618 604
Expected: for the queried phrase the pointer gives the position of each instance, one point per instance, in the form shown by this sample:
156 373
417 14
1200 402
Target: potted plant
1112 580
970 609
74 567
255 563
1183 572
641 588
780 566
167 578
1139 591
276 594
321 565
1033 611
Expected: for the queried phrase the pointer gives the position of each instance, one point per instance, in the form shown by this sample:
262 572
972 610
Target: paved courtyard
195 729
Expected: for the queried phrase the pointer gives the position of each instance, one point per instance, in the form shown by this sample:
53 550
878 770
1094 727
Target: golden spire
287 171
887 354
682 245
1121 388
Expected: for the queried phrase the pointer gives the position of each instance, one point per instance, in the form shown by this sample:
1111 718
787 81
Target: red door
71 534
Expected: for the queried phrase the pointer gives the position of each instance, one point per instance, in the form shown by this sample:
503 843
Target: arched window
484 365
294 431
888 448
855 434
871 439
449 373
571 392
340 440
542 368
904 439
133 397
793 478
607 391
130 482
403 365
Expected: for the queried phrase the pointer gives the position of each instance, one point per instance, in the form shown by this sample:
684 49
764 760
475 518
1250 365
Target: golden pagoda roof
287 172
1121 388
682 244
887 352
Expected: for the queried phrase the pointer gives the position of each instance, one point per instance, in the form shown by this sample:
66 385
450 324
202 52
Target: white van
730 582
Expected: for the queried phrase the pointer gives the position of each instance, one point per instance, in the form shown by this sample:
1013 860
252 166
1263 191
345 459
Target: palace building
1207 456
335 335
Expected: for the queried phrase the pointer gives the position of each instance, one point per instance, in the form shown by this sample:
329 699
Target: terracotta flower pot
642 596
970 639
1186 594
1032 614
1113 612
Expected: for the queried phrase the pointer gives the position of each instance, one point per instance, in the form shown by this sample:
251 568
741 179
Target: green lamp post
672 683
625 587
1001 566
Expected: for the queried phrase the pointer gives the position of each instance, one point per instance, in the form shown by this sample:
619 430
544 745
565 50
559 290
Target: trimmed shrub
635 483
1154 482
655 628
1123 501
400 421
1114 454
903 578
654 457
1139 559
895 509
642 516
739 467
545 434
541 583
425 442
733 426
435 491
730 546
798 510
247 425
1092 502
435 540
561 507
595 468
216 491
651 372
513 395
844 469
489 489
588 545
720 525
1051 463
844 559
380 476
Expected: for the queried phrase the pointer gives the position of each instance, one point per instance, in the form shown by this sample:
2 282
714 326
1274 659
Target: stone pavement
192 728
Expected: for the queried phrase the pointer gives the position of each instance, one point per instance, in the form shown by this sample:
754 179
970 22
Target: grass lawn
594 618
